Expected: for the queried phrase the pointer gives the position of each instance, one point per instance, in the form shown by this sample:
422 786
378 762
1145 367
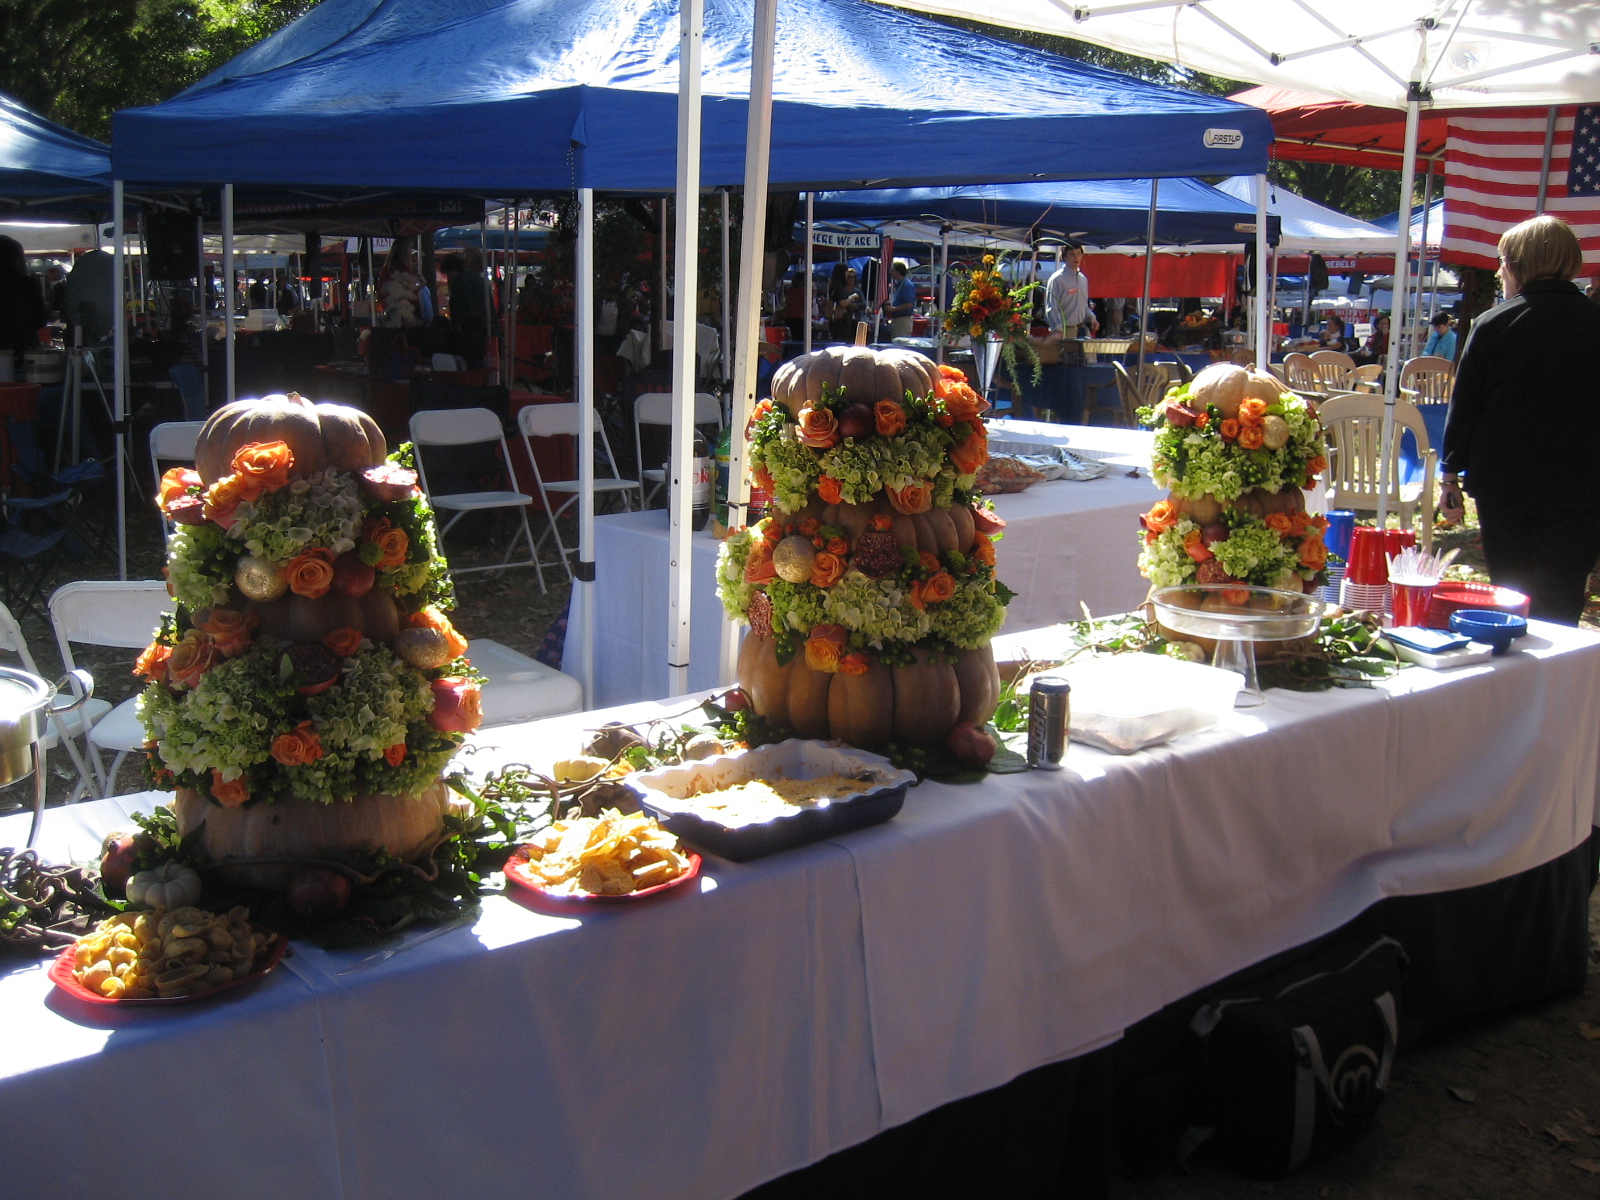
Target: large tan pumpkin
319 435
406 826
866 375
919 703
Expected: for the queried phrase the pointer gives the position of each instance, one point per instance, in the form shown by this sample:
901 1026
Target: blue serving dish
1497 629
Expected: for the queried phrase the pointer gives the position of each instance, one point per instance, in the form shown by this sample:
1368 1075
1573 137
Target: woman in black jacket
1525 420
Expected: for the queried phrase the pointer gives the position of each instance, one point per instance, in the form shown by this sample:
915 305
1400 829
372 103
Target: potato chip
608 855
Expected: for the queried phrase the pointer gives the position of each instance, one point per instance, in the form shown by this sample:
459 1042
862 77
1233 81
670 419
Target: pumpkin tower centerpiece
870 588
308 692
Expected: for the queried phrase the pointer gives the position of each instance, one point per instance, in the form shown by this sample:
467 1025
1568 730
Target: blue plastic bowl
1497 629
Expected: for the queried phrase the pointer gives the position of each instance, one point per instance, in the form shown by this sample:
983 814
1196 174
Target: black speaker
171 244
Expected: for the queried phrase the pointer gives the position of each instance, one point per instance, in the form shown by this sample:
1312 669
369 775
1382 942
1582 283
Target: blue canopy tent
1101 212
528 97
48 171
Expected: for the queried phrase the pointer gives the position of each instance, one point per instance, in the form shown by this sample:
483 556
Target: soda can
1049 711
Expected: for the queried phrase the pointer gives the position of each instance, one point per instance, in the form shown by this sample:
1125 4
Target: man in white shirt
1066 297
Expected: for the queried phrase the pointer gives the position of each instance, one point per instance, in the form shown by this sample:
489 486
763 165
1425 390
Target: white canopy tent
1310 227
1403 54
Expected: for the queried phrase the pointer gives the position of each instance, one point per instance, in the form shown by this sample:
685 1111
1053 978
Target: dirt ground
1510 1108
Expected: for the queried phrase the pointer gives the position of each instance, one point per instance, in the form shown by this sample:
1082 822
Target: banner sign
846 241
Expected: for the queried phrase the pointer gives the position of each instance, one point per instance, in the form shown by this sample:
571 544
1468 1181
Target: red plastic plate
61 976
517 871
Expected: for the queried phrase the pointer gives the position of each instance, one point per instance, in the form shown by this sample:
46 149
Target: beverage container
700 481
1341 524
723 454
1368 562
1049 712
1410 603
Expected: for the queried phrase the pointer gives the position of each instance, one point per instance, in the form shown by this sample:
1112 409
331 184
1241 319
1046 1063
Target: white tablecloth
780 1010
1067 544
1130 447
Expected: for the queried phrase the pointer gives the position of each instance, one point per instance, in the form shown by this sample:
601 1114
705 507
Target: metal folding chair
562 420
468 427
655 408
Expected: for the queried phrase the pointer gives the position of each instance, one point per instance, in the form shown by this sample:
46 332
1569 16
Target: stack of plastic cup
1329 592
1341 524
1366 581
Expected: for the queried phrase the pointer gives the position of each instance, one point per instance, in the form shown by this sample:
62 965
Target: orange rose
1162 516
222 497
889 417
819 428
934 590
432 618
1238 597
395 755
881 523
229 793
1250 437
1230 429
299 746
152 664
457 705
758 567
761 409
826 569
828 489
1281 524
825 647
343 642
1313 553
983 550
1317 465
230 629
854 663
191 658
762 478
949 378
1252 411
176 483
263 466
1195 547
810 527
1302 522
912 499
1319 523
928 562
971 453
394 546
837 545
963 404
311 573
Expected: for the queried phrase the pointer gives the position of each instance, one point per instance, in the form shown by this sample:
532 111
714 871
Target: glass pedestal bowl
1236 617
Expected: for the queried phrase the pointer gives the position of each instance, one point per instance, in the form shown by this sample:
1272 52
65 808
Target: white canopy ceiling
1308 226
1464 53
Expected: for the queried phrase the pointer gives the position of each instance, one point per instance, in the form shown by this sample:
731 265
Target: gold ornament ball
793 559
258 579
425 649
1274 433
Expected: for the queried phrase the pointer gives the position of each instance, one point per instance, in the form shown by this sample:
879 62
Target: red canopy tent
1311 128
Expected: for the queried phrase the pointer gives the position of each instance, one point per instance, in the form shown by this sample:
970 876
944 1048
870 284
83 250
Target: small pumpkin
318 435
171 885
866 376
1222 384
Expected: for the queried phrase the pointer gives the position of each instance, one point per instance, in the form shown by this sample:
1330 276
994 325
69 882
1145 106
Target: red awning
1310 128
1116 274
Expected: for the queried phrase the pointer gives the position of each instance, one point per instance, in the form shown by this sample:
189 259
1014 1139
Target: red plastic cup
1396 540
1409 602
1368 564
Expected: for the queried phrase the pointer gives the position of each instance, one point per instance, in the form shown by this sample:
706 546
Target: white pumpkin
171 885
1222 384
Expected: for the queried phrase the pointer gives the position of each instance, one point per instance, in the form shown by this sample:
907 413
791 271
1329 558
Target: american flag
1492 179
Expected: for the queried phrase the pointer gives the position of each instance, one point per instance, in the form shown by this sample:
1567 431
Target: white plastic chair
109 612
172 442
655 408
467 427
1428 379
68 726
1354 425
562 420
1333 369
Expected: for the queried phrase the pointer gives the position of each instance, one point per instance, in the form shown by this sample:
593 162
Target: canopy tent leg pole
119 371
1149 268
227 292
1422 245
583 306
685 480
204 298
1433 291
661 300
1402 255
727 302
752 241
1263 313
810 258
939 288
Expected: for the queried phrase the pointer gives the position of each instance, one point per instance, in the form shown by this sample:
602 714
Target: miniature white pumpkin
1222 384
171 885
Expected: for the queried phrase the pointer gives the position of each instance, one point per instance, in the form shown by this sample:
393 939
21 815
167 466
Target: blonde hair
1543 248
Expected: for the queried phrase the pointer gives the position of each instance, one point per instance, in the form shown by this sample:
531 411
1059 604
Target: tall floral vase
985 358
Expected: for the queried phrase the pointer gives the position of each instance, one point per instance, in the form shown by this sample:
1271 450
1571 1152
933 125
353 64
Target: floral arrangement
237 705
1282 550
984 308
849 601
1202 451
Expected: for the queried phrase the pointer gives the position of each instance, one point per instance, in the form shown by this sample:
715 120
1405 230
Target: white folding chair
66 727
562 420
109 612
172 442
468 427
655 408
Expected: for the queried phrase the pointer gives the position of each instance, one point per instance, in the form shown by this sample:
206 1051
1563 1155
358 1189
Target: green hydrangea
732 590
970 617
792 465
1254 553
200 562
377 697
1164 561
227 721
865 468
796 606
321 510
879 609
